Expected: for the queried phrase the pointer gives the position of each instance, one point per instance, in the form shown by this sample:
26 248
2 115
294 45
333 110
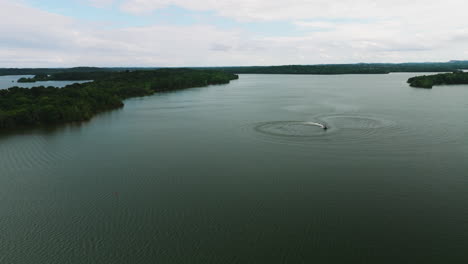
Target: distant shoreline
318 69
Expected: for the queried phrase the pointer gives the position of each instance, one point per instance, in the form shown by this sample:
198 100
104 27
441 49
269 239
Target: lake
237 174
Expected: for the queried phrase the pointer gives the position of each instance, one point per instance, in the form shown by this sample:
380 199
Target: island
26 80
25 107
37 78
428 81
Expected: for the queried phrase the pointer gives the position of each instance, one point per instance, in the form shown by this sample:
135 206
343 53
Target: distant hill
36 71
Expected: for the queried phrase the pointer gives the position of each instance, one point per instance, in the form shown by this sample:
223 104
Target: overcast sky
58 33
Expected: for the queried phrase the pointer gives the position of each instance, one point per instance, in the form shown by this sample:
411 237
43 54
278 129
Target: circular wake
301 129
335 131
357 122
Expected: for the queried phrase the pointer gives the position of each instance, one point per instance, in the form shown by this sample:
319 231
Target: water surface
235 174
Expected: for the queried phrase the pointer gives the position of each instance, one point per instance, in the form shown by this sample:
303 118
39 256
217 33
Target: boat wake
315 124
302 129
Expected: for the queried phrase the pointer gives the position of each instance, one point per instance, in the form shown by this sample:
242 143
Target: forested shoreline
359 68
327 69
24 107
428 81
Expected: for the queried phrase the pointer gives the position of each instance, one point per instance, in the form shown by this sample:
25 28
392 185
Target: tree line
358 68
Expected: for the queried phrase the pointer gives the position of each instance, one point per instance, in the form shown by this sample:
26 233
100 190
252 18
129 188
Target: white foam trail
315 124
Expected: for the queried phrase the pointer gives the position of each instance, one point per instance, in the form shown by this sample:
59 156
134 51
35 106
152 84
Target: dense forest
49 105
427 81
359 68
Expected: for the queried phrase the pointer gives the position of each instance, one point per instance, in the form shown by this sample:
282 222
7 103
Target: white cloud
381 32
315 24
33 38
306 9
100 3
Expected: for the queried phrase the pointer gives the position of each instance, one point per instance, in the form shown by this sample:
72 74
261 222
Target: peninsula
428 81
22 107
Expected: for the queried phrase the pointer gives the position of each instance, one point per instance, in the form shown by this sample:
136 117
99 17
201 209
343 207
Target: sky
184 33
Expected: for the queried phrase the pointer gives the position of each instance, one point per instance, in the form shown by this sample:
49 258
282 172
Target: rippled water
240 173
12 80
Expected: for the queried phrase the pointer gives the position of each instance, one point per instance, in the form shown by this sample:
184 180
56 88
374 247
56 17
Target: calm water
235 174
11 80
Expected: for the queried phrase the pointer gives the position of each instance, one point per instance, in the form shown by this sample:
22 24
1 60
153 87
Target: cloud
315 24
30 37
305 9
220 47
46 39
396 30
100 3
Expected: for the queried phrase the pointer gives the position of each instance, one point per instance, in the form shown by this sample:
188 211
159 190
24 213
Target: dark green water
234 174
